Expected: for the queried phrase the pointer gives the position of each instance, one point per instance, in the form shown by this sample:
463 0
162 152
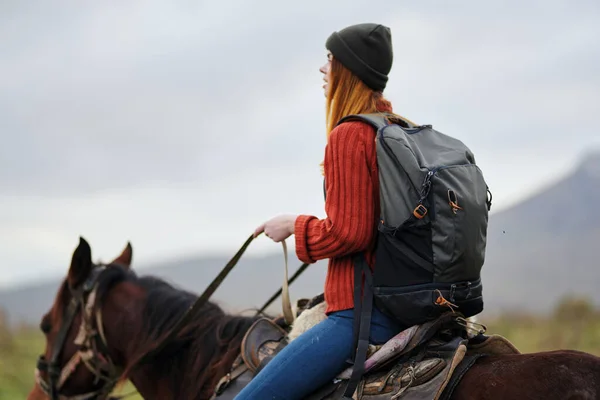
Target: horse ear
125 258
81 264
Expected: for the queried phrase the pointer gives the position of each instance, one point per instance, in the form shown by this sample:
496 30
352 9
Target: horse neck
190 365
191 369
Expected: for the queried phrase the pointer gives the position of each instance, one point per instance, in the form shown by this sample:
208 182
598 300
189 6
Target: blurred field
574 324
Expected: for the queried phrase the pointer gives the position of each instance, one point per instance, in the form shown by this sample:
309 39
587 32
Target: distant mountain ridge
538 251
545 247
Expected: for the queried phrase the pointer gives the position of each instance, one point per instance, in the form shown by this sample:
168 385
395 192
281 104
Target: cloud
181 126
161 221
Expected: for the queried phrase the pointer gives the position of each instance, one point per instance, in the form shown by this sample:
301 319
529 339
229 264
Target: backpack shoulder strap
378 120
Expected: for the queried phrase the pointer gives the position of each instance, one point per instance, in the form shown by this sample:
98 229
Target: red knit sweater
352 208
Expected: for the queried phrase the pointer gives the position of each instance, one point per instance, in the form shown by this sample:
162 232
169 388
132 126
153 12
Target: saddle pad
491 345
460 371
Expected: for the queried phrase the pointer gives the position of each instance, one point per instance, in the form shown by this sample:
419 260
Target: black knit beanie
366 50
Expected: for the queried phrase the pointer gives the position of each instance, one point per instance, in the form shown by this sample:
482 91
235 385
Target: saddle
262 341
422 362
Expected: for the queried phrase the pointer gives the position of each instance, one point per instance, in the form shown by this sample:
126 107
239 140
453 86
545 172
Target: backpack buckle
420 211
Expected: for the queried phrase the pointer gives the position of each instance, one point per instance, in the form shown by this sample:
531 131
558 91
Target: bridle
92 347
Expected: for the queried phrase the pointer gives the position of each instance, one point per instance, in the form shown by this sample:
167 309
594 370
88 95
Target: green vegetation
573 324
19 350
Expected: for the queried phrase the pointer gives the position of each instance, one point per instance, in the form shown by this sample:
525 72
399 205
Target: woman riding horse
356 73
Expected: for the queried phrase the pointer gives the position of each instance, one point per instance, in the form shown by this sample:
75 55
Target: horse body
138 313
560 374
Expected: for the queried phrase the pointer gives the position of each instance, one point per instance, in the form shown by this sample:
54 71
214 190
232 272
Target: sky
181 126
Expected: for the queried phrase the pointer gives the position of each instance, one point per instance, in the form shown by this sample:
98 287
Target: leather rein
92 345
208 292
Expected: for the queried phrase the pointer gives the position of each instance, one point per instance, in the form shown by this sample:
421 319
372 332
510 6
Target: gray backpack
431 235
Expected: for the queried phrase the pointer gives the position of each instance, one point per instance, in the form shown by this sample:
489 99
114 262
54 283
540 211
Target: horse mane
194 359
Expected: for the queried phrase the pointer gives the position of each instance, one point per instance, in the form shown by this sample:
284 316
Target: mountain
545 247
538 251
248 285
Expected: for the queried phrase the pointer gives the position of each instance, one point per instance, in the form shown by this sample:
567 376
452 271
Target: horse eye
45 326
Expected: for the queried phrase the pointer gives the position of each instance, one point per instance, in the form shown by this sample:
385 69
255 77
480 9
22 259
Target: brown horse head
105 318
76 362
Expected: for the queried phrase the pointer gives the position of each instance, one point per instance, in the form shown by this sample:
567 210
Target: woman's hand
278 228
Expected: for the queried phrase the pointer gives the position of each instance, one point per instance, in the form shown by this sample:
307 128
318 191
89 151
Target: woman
359 60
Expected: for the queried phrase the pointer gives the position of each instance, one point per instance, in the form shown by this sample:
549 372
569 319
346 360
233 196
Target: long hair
348 95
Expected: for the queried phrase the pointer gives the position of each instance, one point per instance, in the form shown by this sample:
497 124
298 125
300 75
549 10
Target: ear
81 264
125 258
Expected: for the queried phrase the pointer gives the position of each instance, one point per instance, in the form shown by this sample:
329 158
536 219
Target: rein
208 292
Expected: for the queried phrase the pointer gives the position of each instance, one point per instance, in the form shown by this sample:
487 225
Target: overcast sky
182 125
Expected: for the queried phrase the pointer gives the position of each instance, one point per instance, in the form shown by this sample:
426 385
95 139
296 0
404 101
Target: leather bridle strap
54 371
87 341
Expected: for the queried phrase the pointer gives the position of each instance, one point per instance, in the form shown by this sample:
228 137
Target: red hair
349 95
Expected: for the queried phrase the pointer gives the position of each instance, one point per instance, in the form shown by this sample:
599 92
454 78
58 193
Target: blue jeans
314 358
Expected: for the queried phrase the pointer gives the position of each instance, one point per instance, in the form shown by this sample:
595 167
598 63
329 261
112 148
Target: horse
107 325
